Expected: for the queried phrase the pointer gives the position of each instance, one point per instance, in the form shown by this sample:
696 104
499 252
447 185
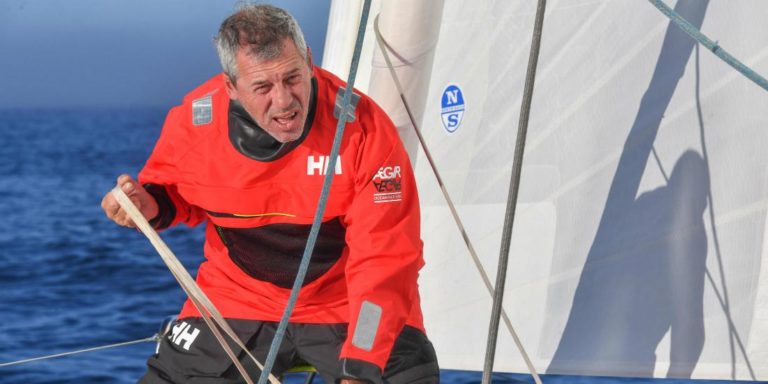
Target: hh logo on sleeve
184 335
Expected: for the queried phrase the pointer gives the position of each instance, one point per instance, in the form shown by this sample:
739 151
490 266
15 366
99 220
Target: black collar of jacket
252 141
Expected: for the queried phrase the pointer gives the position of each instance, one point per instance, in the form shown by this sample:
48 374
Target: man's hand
138 195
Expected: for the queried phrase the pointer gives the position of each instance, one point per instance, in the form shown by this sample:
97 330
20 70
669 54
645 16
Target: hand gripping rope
207 310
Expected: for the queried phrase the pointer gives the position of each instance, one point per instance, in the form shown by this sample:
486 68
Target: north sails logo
388 183
184 333
452 107
319 165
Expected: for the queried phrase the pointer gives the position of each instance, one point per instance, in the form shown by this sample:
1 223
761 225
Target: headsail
639 246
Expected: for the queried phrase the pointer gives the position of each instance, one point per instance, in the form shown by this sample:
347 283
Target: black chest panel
273 252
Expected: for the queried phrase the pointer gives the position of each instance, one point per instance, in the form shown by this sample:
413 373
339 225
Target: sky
119 53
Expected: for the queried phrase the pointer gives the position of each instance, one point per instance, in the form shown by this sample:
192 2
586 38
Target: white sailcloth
638 247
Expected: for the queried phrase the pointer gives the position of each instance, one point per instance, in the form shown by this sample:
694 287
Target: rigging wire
514 186
165 327
384 46
711 45
156 337
722 299
335 149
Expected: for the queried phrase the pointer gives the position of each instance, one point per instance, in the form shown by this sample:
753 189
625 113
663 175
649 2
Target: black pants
191 353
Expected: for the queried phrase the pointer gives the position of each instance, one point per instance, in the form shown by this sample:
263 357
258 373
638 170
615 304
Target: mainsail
638 247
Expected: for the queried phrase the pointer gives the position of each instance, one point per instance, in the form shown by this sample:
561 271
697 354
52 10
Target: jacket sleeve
385 251
160 176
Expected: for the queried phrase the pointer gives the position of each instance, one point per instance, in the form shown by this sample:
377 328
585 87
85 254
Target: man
247 152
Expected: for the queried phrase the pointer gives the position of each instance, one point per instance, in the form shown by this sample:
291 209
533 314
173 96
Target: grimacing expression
275 92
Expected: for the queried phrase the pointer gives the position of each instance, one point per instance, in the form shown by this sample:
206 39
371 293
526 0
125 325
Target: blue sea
70 279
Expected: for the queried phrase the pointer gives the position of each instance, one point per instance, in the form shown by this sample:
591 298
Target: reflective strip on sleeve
367 325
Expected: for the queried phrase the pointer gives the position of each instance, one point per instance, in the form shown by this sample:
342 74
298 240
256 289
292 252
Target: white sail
638 245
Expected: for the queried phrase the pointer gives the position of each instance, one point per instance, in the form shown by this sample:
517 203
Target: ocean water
69 278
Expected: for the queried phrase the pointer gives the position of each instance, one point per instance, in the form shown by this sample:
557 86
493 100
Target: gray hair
262 28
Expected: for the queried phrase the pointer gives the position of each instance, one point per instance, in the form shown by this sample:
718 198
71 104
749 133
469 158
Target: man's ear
231 88
309 57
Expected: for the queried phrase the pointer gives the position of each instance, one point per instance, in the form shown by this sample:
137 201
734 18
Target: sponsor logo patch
388 184
184 333
452 108
202 111
319 165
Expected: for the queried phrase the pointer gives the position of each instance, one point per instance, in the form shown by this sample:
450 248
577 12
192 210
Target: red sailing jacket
365 266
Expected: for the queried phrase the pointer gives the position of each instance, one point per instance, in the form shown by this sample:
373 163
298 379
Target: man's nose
282 98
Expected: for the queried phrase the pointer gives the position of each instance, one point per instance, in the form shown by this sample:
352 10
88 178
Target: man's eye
293 79
261 89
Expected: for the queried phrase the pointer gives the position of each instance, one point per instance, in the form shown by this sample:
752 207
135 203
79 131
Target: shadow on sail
644 275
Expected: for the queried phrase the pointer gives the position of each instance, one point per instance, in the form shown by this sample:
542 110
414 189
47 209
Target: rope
122 344
711 45
509 218
207 310
335 149
384 46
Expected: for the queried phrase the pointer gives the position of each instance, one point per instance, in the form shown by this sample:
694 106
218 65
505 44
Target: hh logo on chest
318 165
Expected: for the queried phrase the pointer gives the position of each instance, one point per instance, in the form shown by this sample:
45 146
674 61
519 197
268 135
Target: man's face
275 92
